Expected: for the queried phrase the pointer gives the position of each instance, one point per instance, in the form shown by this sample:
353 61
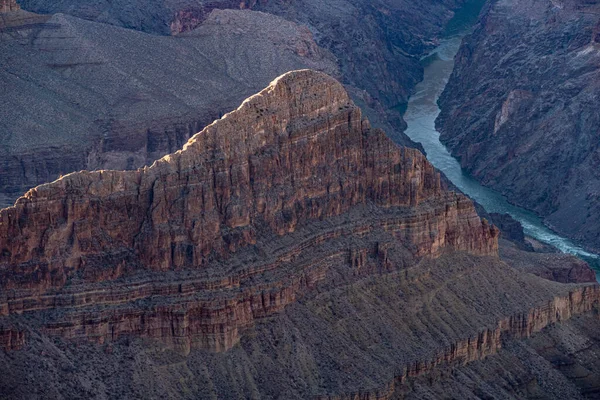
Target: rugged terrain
522 112
289 250
8 6
123 98
83 95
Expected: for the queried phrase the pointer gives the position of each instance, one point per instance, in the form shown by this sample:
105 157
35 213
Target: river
420 116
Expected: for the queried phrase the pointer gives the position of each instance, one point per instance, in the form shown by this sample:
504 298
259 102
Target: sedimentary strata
521 109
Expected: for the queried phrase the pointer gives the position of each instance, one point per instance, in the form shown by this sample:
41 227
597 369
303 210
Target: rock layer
8 6
521 110
288 250
82 95
299 151
488 342
352 333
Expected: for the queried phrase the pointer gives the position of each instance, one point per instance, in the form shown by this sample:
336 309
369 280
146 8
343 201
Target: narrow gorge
230 200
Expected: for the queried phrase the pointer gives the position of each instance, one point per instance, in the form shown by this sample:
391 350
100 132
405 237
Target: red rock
9 5
297 152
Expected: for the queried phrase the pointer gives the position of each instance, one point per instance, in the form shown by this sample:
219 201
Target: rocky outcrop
558 267
299 151
416 319
488 342
189 17
560 362
521 110
8 6
11 339
75 97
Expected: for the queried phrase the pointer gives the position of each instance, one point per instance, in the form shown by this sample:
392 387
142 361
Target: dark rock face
81 95
521 110
378 45
561 362
557 267
511 229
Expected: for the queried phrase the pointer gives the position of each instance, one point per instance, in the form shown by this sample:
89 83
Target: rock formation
561 362
521 110
8 6
120 116
296 152
289 250
554 266
80 95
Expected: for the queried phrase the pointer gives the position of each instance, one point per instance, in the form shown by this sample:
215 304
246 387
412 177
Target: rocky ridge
288 240
82 95
61 81
521 109
488 342
298 151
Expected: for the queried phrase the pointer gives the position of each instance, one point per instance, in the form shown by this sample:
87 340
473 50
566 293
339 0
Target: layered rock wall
297 154
8 6
297 151
521 110
489 341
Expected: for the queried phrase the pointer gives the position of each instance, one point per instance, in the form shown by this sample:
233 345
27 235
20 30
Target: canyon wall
353 333
83 95
82 80
288 239
299 151
521 110
8 5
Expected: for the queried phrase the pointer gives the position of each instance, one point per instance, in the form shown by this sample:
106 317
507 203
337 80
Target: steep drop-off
121 99
522 112
296 152
81 95
288 250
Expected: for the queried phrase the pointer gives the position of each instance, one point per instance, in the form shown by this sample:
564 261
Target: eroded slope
521 110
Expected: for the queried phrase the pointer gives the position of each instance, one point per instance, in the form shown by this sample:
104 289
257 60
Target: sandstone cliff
521 110
298 151
81 95
289 250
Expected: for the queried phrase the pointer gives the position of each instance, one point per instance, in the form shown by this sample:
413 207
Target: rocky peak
8 5
298 151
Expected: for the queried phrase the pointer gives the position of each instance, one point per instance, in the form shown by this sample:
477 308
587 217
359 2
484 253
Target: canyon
158 242
82 92
288 250
520 111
